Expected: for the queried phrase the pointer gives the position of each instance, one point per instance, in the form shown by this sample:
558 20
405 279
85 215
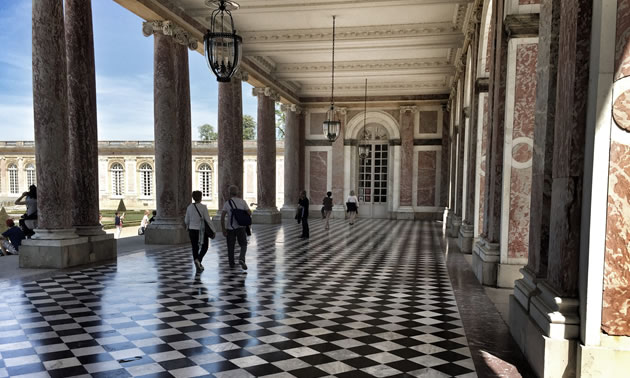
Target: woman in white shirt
196 214
145 221
352 204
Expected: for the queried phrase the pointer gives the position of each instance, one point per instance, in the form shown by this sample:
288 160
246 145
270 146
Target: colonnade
535 191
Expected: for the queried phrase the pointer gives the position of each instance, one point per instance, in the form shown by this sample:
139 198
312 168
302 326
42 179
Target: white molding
465 172
513 7
354 126
440 121
307 124
482 62
482 99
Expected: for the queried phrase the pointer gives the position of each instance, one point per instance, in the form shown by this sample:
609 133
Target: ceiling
403 47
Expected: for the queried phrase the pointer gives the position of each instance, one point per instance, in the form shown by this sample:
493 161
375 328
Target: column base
338 212
465 238
453 230
90 230
485 262
55 253
549 357
54 234
525 288
405 213
288 211
610 359
103 247
166 231
558 317
266 216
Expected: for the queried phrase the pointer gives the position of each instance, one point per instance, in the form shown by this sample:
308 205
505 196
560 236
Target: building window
146 175
30 175
205 180
117 179
13 179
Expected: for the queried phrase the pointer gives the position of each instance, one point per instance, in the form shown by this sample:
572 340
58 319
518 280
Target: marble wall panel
616 296
427 164
428 122
317 119
622 49
521 154
528 2
445 174
482 164
318 165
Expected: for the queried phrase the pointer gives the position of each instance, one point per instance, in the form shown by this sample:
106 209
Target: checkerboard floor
369 300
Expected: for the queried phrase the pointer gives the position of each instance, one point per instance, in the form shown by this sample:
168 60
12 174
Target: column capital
341 110
412 109
241 75
267 91
169 28
291 108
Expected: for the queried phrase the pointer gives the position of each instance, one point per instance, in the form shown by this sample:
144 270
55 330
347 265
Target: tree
121 207
249 127
281 121
207 133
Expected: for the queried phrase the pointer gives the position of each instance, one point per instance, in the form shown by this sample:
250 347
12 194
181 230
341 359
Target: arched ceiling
404 47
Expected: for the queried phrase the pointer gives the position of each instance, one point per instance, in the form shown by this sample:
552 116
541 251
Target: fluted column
266 211
407 122
291 159
230 142
83 148
171 132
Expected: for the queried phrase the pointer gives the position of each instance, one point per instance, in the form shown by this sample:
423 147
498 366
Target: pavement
11 273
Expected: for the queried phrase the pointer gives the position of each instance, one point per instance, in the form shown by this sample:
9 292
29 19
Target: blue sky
124 76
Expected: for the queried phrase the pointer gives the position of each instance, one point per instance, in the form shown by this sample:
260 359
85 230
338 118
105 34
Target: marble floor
374 299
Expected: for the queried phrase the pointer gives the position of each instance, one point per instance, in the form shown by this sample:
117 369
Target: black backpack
241 216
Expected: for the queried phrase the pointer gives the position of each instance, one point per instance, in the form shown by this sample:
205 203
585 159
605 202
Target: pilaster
407 123
291 159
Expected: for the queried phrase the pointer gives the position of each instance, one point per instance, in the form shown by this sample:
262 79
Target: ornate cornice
263 62
179 34
291 108
350 33
411 109
266 91
364 65
376 86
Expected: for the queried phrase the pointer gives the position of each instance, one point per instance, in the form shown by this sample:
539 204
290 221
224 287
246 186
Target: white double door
373 178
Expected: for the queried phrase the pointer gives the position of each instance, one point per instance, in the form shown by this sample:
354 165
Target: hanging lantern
332 125
222 44
364 148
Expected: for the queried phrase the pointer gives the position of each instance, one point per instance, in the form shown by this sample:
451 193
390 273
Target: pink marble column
50 104
407 122
338 164
83 148
168 227
230 142
616 295
266 211
291 159
184 162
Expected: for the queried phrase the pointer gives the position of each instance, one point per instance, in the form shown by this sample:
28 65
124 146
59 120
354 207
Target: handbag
242 217
207 229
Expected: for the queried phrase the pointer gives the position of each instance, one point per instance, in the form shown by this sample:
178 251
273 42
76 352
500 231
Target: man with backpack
238 218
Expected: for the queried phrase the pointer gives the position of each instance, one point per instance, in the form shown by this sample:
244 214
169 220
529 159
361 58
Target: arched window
13 179
205 180
30 175
117 179
146 176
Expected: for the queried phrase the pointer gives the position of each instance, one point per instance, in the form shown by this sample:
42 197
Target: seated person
11 239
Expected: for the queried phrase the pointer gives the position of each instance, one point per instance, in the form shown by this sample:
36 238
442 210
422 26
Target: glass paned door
373 175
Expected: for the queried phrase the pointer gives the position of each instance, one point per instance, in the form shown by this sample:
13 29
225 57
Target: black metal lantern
364 148
332 125
222 44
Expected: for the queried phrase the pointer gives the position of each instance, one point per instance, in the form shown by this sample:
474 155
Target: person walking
352 205
118 222
303 205
233 231
145 222
328 205
29 219
196 219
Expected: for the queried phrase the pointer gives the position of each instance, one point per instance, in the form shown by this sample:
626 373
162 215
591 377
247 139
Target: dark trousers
305 233
194 241
232 236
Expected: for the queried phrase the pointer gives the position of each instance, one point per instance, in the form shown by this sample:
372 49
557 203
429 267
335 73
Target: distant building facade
126 171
